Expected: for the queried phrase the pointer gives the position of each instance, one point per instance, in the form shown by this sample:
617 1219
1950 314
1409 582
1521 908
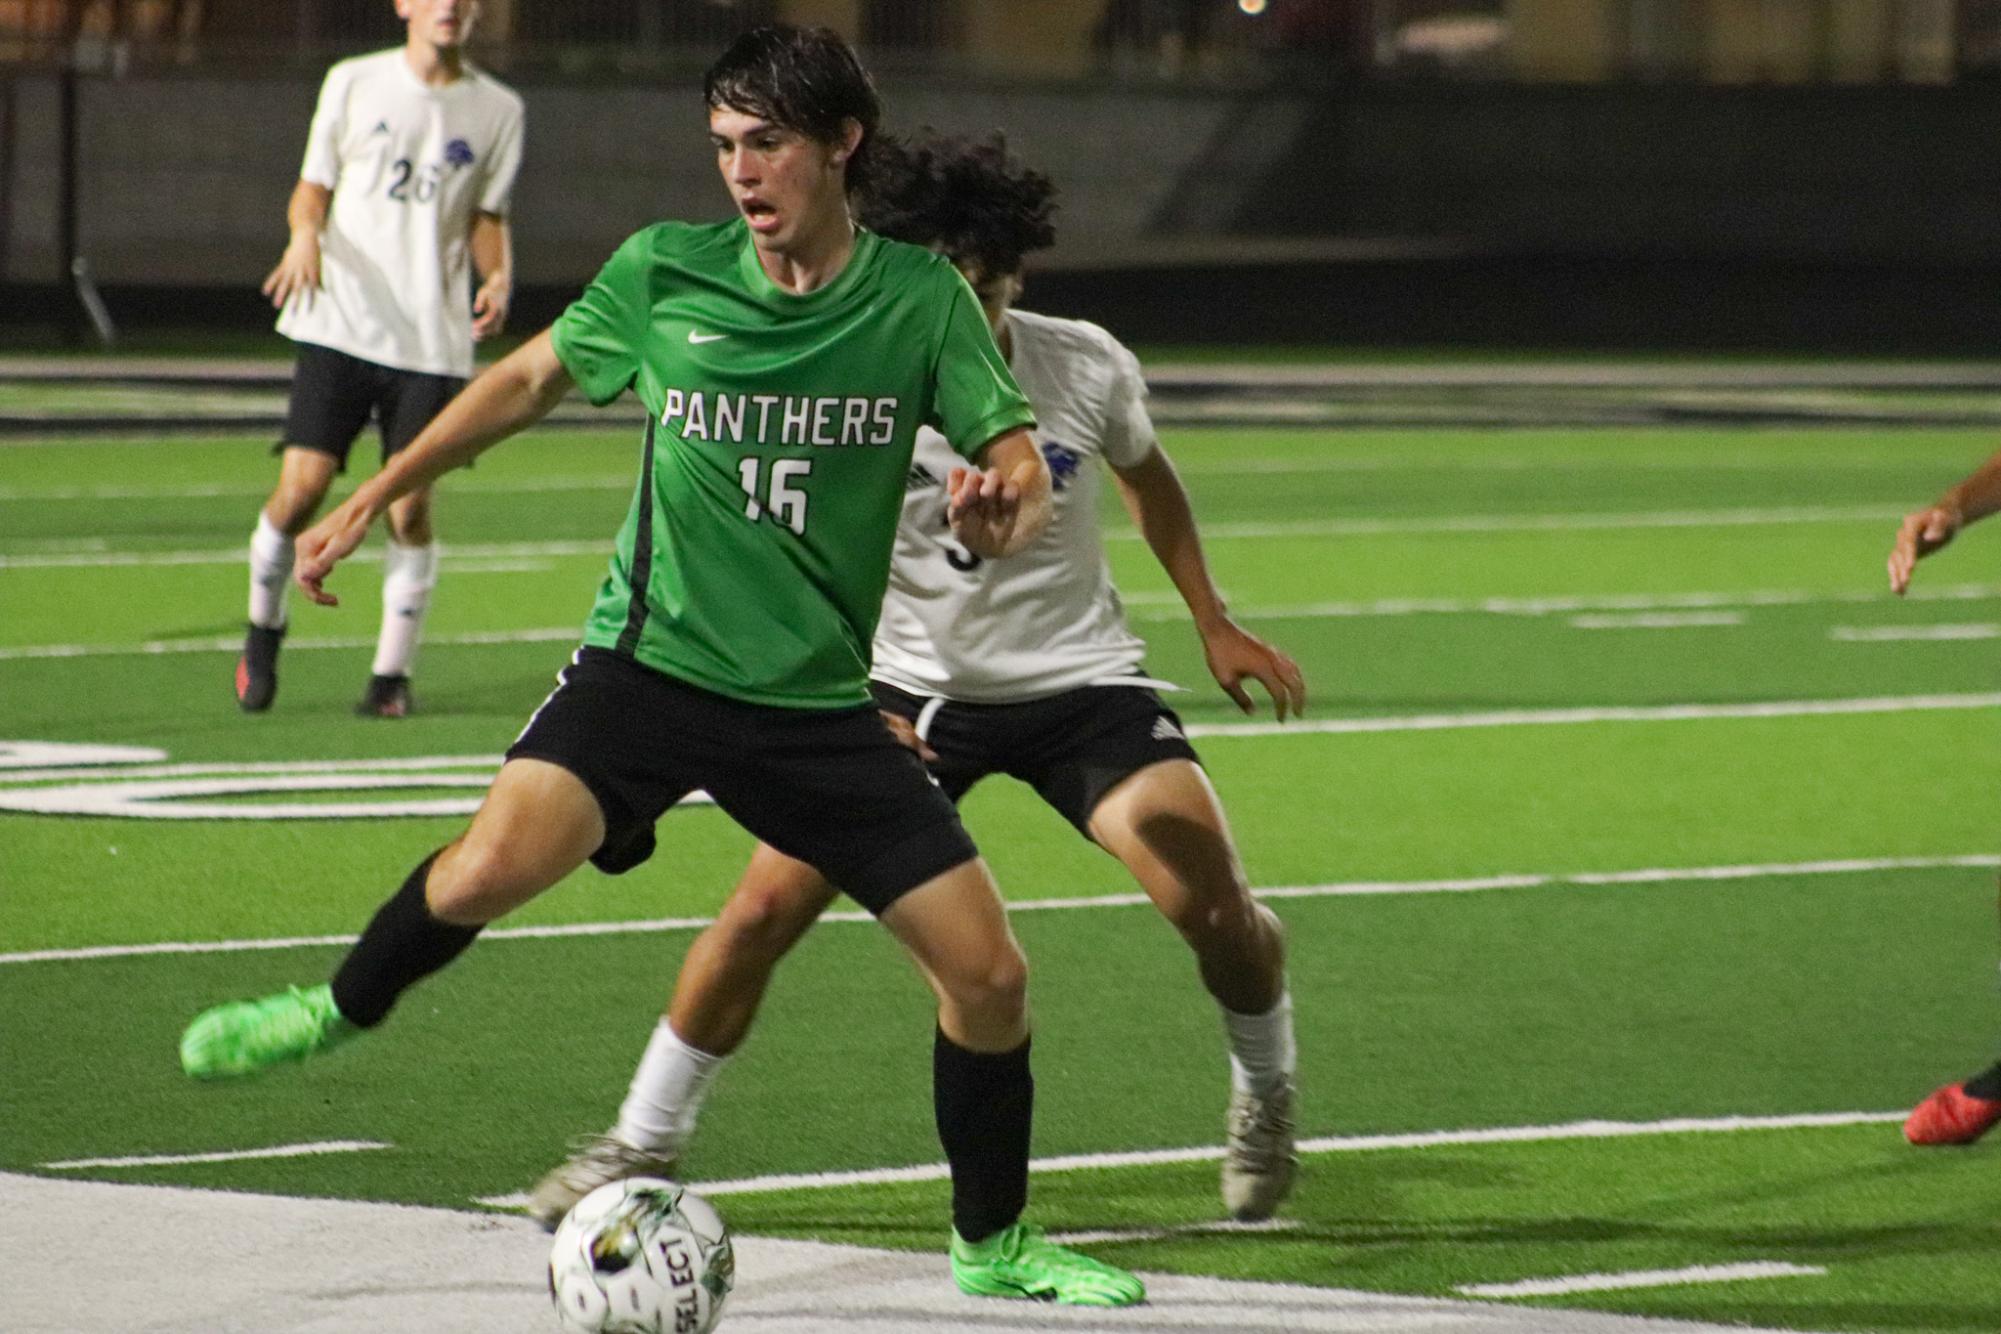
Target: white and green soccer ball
641 1256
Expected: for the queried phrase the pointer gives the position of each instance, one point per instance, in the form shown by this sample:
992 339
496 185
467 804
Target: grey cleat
1259 1162
597 1161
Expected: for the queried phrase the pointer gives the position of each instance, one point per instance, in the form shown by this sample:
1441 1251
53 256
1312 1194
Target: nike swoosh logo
694 337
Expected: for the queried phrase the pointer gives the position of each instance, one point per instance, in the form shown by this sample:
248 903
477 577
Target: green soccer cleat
243 1037
1020 1262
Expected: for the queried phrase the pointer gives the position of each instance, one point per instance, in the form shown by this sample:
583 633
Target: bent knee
766 921
996 987
475 883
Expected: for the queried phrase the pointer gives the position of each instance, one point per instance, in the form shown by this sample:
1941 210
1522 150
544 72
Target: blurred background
1798 175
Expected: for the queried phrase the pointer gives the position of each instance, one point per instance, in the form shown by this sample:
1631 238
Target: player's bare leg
303 478
409 573
725 973
1166 824
722 981
957 932
537 824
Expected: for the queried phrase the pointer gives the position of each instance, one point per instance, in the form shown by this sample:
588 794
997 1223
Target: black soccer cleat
257 669
386 697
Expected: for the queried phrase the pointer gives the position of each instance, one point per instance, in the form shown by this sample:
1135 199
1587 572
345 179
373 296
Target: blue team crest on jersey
1063 463
458 153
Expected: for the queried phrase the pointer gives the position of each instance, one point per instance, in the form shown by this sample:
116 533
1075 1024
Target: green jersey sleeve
598 337
976 398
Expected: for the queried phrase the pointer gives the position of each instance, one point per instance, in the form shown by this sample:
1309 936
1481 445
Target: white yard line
1652 875
1278 465
1588 602
1357 527
1897 634
1150 605
416 764
1200 1153
1536 523
1655 620
188 491
1650 713
227 1156
1642 1278
235 556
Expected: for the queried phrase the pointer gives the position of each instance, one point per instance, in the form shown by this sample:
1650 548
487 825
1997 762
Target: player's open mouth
761 216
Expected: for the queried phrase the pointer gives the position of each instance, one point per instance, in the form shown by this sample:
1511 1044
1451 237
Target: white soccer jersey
1047 618
408 165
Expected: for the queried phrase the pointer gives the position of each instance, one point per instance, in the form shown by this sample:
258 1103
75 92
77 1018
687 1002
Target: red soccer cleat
1951 1115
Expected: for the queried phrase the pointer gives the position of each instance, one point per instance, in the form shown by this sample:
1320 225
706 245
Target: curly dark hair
806 79
968 198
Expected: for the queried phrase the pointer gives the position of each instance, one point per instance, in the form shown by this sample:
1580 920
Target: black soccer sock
403 945
1986 1084
985 1103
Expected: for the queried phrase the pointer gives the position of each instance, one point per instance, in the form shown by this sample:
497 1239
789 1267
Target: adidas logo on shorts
1165 730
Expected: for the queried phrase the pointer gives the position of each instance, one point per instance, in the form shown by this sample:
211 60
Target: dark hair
969 198
805 79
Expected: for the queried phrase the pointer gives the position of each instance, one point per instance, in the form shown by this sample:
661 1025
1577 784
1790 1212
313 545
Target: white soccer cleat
599 1160
1259 1161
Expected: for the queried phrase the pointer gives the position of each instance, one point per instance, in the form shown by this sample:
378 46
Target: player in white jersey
408 169
1024 667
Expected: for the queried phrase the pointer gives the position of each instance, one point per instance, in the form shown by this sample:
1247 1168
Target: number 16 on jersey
786 501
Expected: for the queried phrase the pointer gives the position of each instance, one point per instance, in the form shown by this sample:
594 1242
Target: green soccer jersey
754 557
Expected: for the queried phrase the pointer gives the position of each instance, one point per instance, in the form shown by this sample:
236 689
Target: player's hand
983 509
906 736
1922 533
1236 655
489 306
298 271
325 545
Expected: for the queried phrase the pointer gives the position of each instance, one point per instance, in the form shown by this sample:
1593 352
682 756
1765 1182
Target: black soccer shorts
334 395
830 787
1071 748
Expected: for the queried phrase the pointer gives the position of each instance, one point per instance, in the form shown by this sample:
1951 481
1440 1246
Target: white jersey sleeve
1128 434
322 164
504 166
409 165
1046 619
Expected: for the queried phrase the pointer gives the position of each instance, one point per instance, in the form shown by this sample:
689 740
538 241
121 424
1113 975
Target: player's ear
849 141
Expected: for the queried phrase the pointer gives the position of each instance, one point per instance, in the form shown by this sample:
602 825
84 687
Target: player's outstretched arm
512 394
1925 531
298 271
1000 507
492 246
1158 502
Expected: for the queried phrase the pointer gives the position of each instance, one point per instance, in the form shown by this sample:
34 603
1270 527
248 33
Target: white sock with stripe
408 576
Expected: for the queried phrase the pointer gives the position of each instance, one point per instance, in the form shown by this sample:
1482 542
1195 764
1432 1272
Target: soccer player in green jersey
1962 1112
1024 668
786 360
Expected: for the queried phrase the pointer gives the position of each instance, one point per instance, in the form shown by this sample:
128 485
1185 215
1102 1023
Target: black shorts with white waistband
334 394
830 787
1072 748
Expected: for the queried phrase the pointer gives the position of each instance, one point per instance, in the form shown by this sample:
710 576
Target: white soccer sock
660 1108
1262 1052
270 573
408 576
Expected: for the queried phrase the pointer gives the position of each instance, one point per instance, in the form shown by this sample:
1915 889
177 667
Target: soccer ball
641 1256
